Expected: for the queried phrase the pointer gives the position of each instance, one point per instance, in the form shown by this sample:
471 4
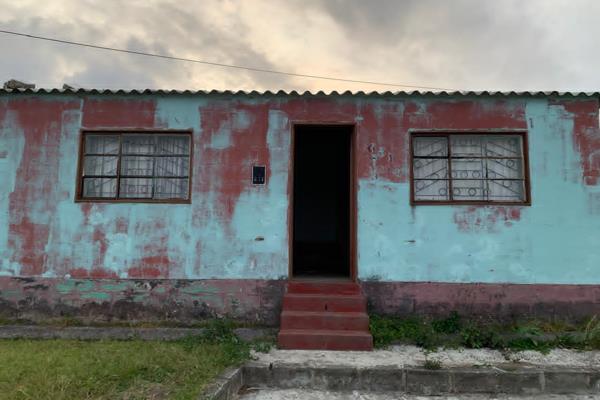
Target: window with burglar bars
462 168
135 166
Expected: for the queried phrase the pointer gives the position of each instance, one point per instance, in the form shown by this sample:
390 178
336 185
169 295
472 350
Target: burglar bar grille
143 166
460 168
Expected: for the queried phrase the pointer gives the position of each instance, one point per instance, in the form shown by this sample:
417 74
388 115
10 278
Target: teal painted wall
233 229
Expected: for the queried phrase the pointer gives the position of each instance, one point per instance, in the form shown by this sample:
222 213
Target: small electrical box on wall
259 174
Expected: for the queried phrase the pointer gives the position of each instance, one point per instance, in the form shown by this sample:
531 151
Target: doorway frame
352 170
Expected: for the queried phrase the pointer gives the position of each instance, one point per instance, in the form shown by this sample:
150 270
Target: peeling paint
44 233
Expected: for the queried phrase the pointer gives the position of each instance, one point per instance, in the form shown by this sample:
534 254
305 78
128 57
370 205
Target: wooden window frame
113 132
448 134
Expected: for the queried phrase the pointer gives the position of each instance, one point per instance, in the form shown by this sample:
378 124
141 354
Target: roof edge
295 93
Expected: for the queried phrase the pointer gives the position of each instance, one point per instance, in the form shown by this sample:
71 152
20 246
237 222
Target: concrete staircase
324 316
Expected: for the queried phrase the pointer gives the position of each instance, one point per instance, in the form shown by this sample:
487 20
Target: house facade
185 205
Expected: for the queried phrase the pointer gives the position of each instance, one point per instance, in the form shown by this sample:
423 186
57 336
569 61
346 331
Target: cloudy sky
453 44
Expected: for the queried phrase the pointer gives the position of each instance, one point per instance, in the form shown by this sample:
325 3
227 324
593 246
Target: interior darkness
322 201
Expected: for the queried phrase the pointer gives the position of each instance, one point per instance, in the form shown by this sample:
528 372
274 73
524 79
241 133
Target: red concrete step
324 302
317 320
331 288
301 339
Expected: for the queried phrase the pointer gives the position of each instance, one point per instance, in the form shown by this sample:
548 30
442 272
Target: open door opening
322 201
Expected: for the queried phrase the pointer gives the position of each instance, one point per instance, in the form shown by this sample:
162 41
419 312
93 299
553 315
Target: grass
455 332
432 364
128 370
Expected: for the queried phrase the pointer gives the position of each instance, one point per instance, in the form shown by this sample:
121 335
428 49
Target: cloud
461 44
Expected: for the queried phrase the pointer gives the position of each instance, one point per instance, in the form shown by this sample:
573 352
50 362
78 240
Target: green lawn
70 369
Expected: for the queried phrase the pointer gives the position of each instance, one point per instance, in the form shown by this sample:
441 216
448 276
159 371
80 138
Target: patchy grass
432 364
453 332
70 369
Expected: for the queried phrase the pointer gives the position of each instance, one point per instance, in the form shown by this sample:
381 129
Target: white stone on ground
414 356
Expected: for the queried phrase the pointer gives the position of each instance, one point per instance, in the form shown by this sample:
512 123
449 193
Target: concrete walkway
298 394
407 372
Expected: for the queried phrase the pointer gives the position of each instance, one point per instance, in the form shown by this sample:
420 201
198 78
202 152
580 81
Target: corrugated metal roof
295 93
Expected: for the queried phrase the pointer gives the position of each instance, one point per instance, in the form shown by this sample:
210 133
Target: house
185 205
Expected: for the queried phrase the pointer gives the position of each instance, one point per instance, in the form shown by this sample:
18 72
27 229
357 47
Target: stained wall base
496 301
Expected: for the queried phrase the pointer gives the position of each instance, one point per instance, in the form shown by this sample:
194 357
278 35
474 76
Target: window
135 166
469 168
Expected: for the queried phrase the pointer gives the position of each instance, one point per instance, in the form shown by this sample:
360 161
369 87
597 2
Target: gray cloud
462 44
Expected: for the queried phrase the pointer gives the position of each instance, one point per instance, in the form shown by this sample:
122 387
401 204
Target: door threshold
341 279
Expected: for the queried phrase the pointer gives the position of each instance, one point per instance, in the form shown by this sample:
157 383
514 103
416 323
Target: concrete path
298 394
390 374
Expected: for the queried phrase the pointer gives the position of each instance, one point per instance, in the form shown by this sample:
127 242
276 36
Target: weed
528 329
413 330
220 332
591 333
529 343
448 325
476 337
262 346
432 364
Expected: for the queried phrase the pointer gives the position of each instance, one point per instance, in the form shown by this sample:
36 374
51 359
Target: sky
447 44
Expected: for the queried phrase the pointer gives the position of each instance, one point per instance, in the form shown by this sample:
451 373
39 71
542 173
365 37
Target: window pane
427 146
430 168
431 189
170 188
137 166
99 187
172 166
504 168
101 144
466 146
173 144
471 190
138 144
136 188
502 190
468 168
503 146
98 165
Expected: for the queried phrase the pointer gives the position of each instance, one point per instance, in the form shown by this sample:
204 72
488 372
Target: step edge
329 332
357 296
341 314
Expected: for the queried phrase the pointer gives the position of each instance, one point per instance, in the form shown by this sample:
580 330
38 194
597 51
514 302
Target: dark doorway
322 193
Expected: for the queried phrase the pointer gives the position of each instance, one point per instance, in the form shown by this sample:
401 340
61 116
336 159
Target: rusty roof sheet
295 93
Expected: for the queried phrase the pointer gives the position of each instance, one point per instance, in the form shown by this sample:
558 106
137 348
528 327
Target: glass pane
468 168
173 144
101 144
136 188
471 190
171 166
431 189
171 188
428 146
504 168
430 168
98 165
501 190
503 146
465 146
137 166
138 144
99 187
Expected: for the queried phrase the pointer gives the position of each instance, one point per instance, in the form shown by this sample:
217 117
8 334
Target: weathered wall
136 300
45 234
